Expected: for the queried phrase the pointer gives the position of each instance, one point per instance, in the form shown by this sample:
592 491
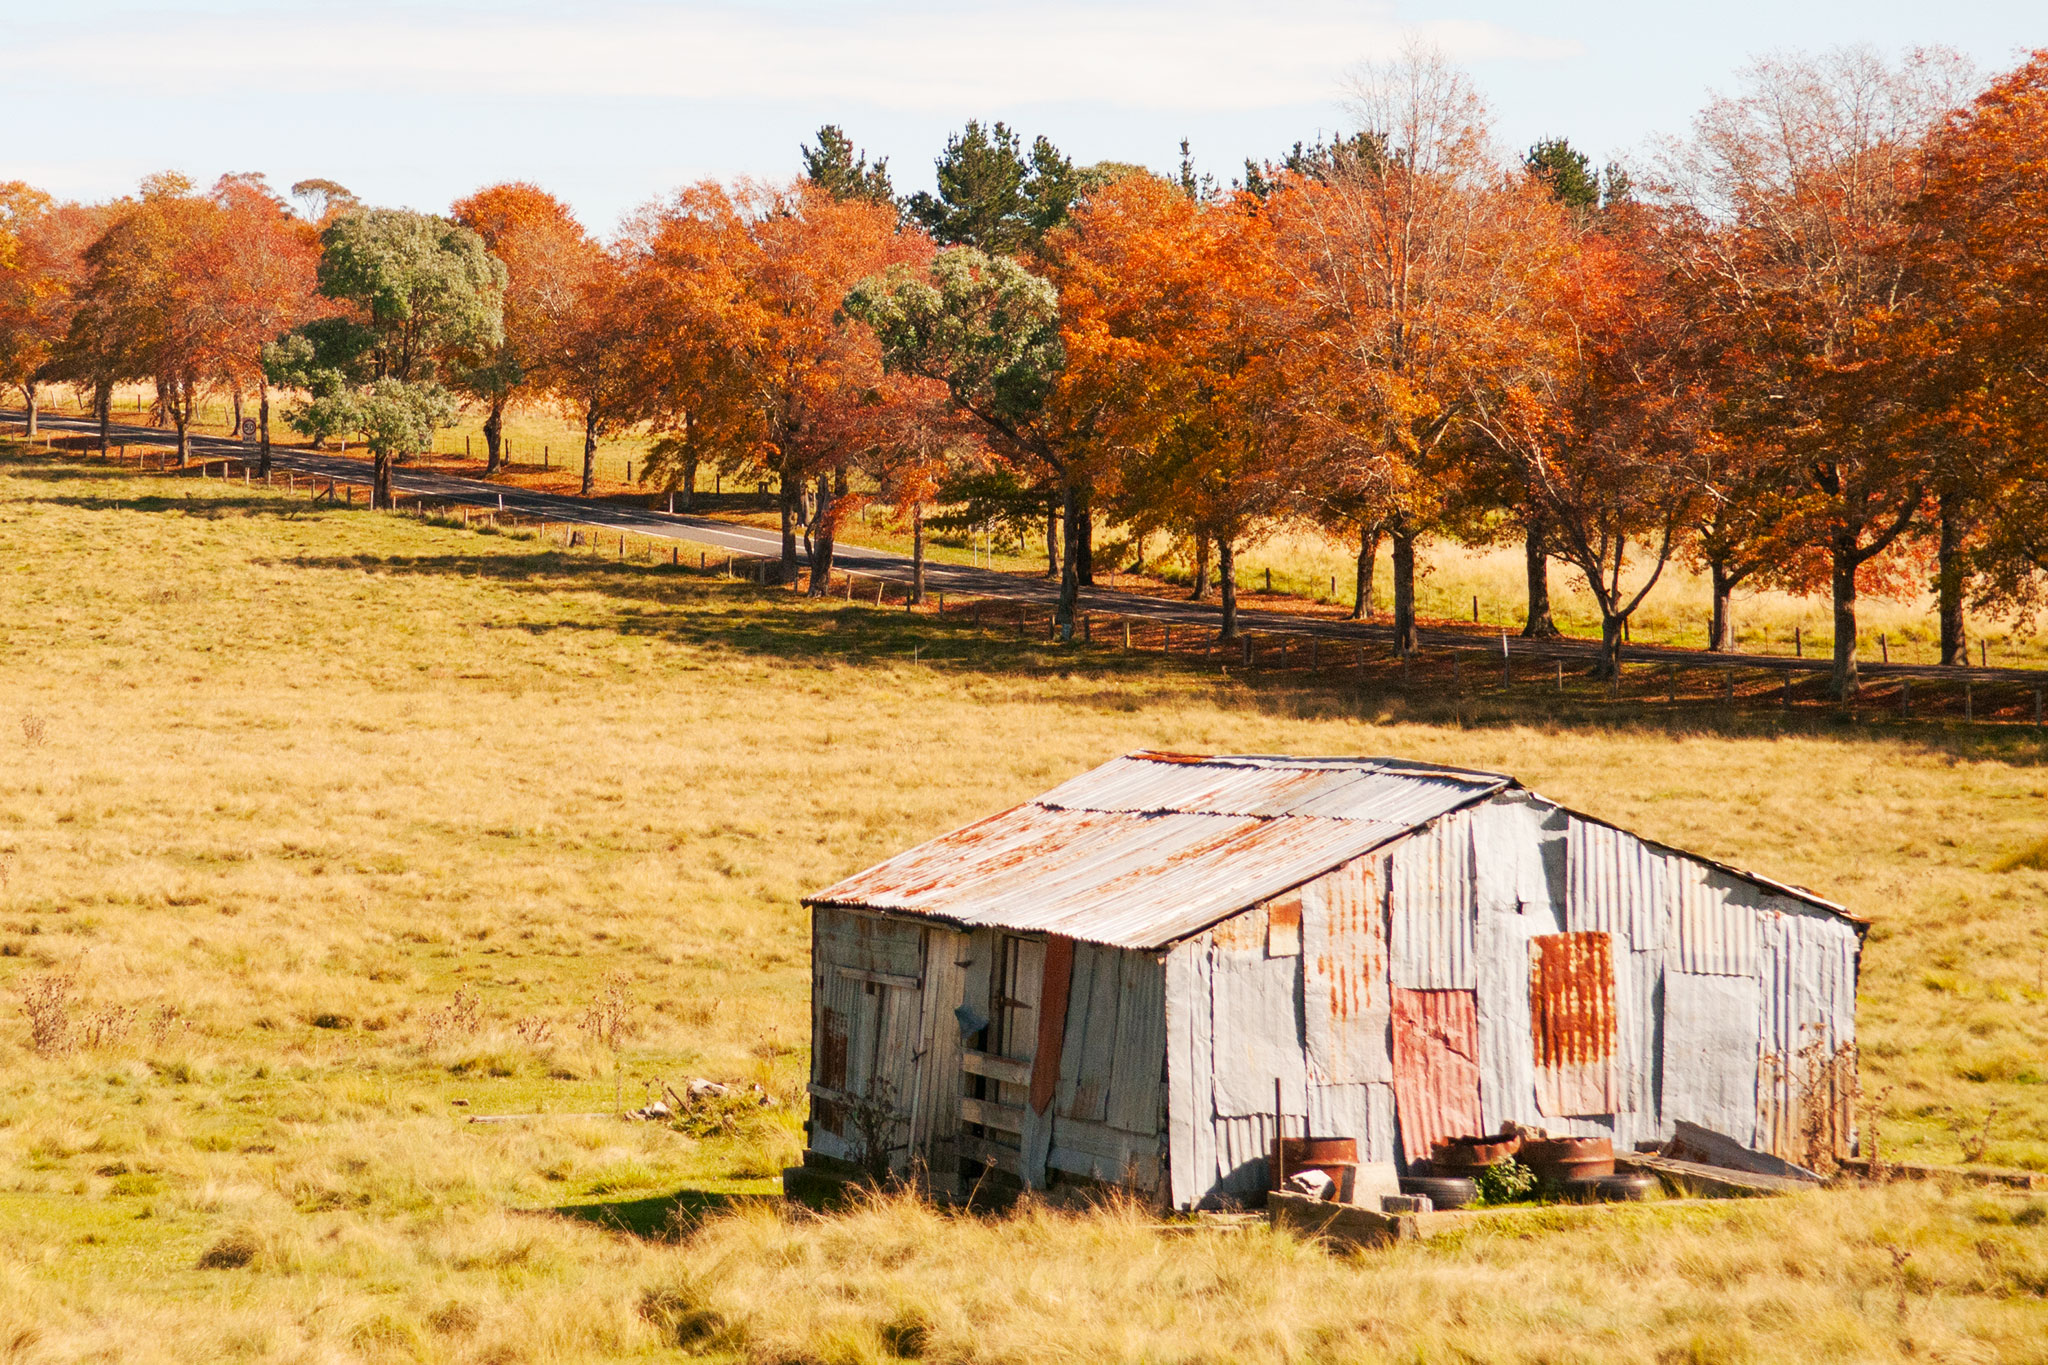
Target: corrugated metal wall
1436 1068
1807 970
1430 907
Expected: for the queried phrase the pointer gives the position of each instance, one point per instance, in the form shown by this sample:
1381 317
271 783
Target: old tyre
1444 1191
1627 1186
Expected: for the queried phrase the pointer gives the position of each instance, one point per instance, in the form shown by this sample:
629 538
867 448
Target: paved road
754 542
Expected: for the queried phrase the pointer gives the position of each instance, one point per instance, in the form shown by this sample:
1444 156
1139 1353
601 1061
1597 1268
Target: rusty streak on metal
1572 1022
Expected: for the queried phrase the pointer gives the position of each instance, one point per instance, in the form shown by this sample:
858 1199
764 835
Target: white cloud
1135 55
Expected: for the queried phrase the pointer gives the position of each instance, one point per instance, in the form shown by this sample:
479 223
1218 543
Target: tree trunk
689 483
1070 578
182 420
821 530
917 554
28 393
263 427
1402 533
1201 566
1950 576
380 481
494 429
1843 682
1226 582
1721 629
589 451
1084 545
1612 631
236 429
1052 537
103 408
1368 552
1536 565
787 495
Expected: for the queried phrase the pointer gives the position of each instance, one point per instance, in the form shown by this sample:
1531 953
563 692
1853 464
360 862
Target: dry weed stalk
462 1015
609 1020
534 1030
34 730
47 1003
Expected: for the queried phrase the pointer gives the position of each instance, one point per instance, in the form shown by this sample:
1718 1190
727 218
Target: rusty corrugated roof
1150 848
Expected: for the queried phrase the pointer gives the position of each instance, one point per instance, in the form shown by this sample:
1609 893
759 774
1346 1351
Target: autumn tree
1170 335
42 246
547 257
418 292
256 275
1799 189
144 307
1395 299
755 278
1601 412
1979 261
587 358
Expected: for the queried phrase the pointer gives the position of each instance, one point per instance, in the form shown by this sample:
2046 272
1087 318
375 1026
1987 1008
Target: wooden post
1984 653
878 592
1560 675
1127 635
1969 702
1798 648
1728 680
1279 1139
1507 666
1475 609
1884 647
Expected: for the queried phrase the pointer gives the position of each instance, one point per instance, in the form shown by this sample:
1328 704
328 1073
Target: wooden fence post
1905 697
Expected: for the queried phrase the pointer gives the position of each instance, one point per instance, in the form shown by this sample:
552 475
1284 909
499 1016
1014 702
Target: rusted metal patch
1572 1023
1283 927
1052 1020
1436 1067
1344 975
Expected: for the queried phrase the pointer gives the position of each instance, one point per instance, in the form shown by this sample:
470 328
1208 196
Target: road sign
248 428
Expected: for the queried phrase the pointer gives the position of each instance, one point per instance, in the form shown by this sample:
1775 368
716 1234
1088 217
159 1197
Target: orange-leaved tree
547 257
758 275
1386 262
256 272
42 247
1172 336
1979 258
1798 190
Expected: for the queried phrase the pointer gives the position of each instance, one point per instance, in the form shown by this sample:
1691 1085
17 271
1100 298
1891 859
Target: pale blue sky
609 104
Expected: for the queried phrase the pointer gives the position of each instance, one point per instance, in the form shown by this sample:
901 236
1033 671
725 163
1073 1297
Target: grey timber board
1137 1074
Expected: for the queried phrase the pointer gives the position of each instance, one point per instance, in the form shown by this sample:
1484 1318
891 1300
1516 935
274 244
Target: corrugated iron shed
1151 848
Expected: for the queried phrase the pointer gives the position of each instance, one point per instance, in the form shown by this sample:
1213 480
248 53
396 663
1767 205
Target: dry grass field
322 832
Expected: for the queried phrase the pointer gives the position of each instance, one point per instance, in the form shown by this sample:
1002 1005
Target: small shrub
683 1314
909 1333
2034 856
231 1252
334 1021
1504 1182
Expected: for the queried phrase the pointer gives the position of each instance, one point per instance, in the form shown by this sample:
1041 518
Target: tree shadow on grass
656 1218
701 609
